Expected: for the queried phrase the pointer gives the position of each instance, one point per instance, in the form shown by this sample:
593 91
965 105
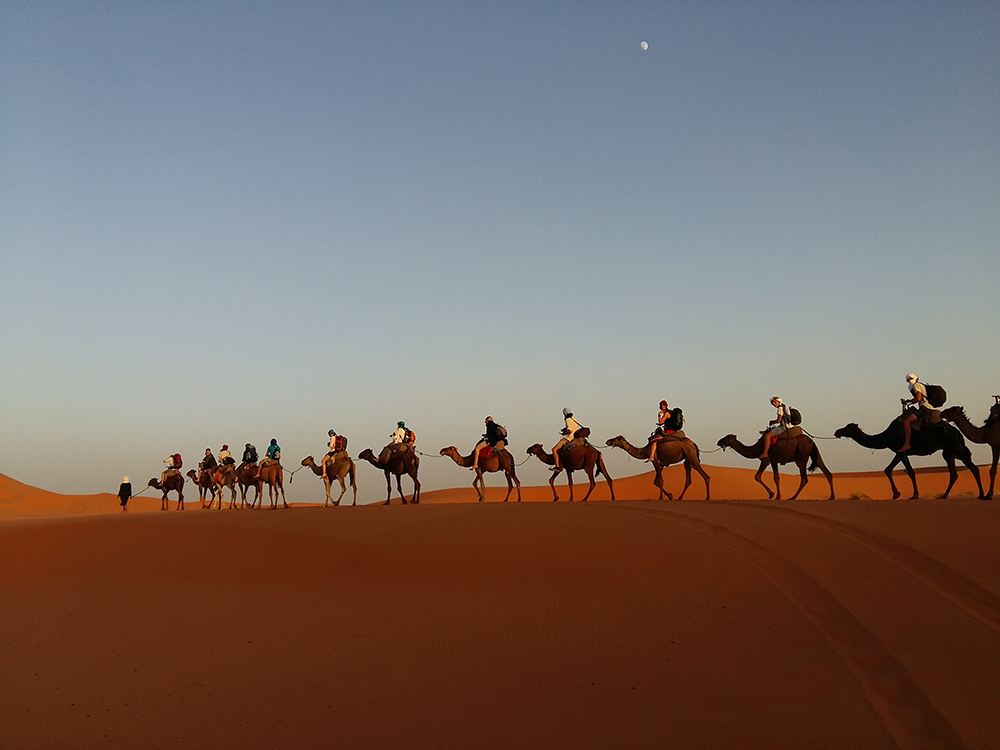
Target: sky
229 222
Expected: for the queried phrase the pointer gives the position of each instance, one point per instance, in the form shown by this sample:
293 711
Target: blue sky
227 222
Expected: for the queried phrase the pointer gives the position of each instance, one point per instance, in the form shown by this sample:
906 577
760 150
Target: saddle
659 437
793 432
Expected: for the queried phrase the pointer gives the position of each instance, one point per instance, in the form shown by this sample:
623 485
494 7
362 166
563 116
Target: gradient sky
225 222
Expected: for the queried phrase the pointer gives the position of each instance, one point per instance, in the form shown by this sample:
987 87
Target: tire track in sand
964 593
907 713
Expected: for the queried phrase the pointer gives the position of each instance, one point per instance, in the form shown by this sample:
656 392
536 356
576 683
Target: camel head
616 442
367 455
847 430
308 461
952 412
190 473
727 442
154 482
451 450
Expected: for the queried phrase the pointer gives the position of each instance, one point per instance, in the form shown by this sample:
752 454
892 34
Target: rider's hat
911 378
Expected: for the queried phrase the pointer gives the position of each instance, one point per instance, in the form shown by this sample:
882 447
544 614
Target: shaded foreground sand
819 624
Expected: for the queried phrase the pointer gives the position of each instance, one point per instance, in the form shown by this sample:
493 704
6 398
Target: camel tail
814 458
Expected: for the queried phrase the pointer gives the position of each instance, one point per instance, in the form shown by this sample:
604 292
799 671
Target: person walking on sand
921 409
124 493
568 434
781 423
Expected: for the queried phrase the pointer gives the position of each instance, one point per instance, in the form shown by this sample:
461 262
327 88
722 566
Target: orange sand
751 624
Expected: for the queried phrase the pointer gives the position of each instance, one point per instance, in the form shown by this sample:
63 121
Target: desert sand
852 623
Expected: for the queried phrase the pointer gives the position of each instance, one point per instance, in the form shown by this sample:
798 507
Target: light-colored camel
246 477
172 482
669 451
205 482
226 479
270 474
928 440
798 449
573 458
338 467
400 462
492 461
988 434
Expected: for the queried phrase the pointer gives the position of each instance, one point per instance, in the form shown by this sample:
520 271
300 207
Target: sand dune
636 624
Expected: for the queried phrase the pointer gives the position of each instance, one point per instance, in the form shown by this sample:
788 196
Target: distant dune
635 624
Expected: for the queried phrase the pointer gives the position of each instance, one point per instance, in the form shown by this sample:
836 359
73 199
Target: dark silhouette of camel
246 477
492 461
988 434
928 440
172 482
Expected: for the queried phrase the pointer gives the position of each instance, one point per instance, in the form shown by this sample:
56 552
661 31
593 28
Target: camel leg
888 473
993 471
602 470
593 483
704 475
687 479
180 500
763 465
326 486
658 481
552 484
416 488
971 466
803 477
399 487
388 489
777 479
517 482
818 461
479 485
569 481
343 490
510 486
911 474
952 476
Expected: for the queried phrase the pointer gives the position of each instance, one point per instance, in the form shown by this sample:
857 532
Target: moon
643 46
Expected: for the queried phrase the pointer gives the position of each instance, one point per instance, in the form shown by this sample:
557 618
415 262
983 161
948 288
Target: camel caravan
922 429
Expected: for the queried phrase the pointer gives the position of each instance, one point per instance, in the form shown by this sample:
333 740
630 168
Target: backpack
502 432
177 460
339 443
936 395
676 421
794 416
409 436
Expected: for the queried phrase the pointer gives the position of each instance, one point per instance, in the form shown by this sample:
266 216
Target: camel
227 478
988 434
493 461
246 477
205 481
338 468
798 448
172 482
928 440
670 451
400 462
270 474
574 458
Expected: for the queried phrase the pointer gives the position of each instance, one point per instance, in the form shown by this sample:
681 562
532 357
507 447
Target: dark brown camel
491 462
337 468
205 482
270 474
928 440
988 434
226 479
788 448
246 477
400 462
172 482
669 451
573 458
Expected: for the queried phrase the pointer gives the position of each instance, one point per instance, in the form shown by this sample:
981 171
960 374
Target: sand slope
630 625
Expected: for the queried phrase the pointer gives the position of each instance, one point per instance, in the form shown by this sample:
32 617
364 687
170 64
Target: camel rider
208 463
172 465
401 440
665 425
249 457
780 424
225 458
273 454
920 407
332 445
494 436
568 434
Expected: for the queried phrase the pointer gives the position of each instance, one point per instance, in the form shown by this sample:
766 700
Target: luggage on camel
936 395
794 416
339 444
